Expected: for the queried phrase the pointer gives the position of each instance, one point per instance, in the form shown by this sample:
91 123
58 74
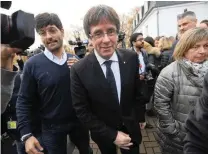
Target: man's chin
107 54
53 49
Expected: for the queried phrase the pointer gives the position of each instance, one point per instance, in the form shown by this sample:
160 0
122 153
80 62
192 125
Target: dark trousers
55 138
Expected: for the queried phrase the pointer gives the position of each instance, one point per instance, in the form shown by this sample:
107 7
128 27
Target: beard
55 45
140 46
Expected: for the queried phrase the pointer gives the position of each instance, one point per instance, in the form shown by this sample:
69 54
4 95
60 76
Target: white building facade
162 20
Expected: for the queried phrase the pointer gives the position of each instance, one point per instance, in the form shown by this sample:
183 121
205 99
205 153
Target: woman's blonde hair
164 43
188 40
68 50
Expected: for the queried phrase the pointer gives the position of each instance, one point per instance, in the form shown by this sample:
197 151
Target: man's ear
196 21
133 43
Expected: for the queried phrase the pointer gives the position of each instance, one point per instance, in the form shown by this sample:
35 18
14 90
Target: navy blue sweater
49 83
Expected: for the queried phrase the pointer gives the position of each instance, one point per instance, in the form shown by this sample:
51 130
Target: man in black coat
105 86
196 141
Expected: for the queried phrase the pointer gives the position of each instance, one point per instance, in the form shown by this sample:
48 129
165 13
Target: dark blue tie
111 79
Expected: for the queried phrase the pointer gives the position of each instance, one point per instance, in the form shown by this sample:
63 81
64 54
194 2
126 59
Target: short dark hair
45 19
204 22
150 40
134 37
186 14
97 14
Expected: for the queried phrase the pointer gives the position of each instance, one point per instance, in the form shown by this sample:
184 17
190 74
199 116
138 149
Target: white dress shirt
115 68
141 62
55 59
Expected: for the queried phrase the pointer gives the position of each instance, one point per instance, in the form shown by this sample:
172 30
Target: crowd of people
54 100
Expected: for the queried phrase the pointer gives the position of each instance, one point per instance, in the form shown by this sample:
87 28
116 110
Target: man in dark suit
105 86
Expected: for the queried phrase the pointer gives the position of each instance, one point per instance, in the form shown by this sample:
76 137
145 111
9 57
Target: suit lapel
99 77
123 73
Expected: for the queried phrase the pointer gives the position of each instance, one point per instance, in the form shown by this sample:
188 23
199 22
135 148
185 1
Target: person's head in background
203 24
150 40
90 47
171 39
50 29
68 49
164 43
157 41
119 45
186 21
137 41
193 46
101 25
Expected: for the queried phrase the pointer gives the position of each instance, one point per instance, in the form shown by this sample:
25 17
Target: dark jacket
94 103
153 58
196 141
172 51
10 113
165 57
145 56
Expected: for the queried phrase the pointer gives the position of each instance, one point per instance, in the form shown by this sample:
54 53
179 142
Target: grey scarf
194 72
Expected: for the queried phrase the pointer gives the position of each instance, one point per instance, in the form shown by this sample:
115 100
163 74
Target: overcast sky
71 12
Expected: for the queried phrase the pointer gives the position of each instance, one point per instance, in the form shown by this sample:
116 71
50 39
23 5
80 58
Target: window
146 6
138 18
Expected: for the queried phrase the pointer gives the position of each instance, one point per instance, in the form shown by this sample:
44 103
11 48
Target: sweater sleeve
7 84
25 99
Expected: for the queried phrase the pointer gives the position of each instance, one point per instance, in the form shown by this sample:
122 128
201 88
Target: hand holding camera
17 34
7 56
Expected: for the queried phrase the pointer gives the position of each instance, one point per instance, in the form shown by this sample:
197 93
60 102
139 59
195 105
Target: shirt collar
101 60
51 56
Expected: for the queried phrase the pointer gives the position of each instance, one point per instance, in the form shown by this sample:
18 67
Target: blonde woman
68 49
166 52
178 87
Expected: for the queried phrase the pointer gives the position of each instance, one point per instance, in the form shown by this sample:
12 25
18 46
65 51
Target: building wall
167 17
149 26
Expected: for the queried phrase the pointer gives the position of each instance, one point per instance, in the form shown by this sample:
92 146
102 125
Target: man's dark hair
204 22
99 13
150 40
134 37
157 38
45 19
190 14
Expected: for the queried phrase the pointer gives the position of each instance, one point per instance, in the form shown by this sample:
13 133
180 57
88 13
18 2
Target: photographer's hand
71 61
7 56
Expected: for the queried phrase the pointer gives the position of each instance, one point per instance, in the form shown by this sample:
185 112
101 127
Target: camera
80 49
121 36
17 30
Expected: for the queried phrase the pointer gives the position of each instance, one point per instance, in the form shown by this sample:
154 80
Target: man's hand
71 61
32 146
123 140
142 125
7 56
141 77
